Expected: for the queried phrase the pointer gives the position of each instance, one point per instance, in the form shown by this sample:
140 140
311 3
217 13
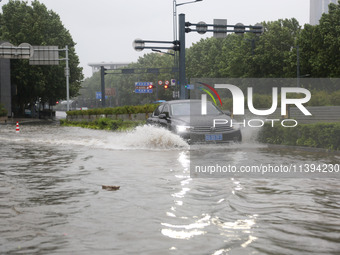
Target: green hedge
320 135
128 109
103 123
3 111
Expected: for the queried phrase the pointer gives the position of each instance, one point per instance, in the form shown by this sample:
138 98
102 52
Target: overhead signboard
45 55
9 51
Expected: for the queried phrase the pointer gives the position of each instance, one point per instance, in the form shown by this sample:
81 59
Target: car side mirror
163 116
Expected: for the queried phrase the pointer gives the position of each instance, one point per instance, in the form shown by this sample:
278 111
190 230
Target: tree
320 45
247 56
205 58
38 26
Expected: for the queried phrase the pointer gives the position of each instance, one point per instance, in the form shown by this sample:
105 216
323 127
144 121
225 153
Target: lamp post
175 4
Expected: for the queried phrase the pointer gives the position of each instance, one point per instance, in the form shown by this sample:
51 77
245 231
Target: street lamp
175 4
189 2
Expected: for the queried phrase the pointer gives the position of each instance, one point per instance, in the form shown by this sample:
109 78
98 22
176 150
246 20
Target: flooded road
52 201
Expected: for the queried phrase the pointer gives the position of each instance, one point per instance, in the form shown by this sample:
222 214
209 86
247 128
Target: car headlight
183 129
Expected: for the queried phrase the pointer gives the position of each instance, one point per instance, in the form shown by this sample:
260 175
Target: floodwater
52 201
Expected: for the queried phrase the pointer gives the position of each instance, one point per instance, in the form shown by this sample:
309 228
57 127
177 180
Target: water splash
150 137
141 138
144 137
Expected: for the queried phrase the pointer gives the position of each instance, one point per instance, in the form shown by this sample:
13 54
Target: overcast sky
105 29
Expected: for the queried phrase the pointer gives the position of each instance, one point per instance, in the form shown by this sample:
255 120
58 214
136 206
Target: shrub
320 135
319 98
335 98
128 109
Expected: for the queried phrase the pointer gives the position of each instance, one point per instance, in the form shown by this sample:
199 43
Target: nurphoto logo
239 108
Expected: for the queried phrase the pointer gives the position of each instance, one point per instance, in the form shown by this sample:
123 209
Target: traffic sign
160 83
143 84
110 92
167 82
99 95
173 82
143 90
141 87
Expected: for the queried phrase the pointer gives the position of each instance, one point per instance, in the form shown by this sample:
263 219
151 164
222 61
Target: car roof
183 101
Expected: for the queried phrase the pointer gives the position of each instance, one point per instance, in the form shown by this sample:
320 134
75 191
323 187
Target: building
5 85
317 8
108 65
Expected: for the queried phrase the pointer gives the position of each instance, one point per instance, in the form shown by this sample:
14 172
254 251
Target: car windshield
185 109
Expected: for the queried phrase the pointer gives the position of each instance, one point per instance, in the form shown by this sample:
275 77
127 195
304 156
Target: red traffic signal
166 86
150 87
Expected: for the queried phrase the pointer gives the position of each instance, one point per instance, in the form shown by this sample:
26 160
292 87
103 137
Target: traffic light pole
182 55
202 27
67 74
102 75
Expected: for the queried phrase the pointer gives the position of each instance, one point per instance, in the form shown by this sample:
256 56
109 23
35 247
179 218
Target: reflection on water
51 201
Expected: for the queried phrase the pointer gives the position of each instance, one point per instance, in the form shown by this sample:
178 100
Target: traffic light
166 86
150 86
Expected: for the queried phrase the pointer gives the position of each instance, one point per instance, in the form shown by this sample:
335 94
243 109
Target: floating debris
16 211
110 188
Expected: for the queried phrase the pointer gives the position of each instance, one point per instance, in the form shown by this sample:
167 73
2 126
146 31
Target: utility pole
182 55
102 75
67 74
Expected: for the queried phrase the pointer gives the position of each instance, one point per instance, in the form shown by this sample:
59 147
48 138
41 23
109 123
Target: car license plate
214 137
